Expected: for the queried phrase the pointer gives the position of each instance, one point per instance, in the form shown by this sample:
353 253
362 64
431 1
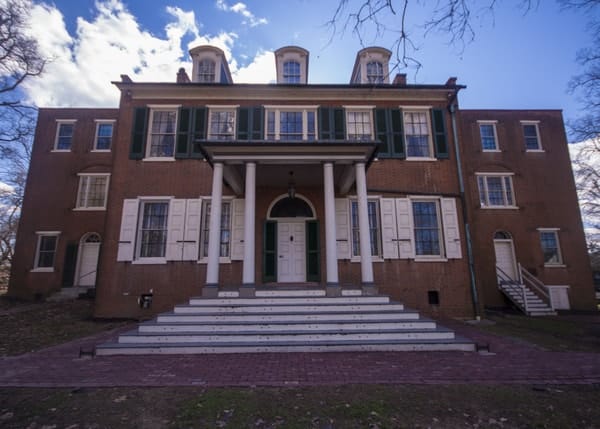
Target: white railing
507 284
536 285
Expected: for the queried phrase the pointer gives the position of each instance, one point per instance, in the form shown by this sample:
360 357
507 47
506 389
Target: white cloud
112 43
241 8
261 70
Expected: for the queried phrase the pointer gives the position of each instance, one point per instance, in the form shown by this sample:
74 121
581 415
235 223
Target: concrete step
279 308
324 326
296 300
262 293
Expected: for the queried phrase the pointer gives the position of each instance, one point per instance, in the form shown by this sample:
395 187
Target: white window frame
60 122
303 109
137 259
441 256
36 261
219 109
86 183
161 108
359 109
202 73
426 112
560 263
536 124
379 77
503 176
496 143
204 236
370 199
286 75
100 122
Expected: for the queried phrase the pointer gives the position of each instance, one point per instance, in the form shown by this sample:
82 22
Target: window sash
427 228
375 72
46 251
417 134
152 230
531 136
162 133
291 124
64 136
496 191
359 125
104 132
206 71
550 247
225 236
222 125
488 136
291 72
374 229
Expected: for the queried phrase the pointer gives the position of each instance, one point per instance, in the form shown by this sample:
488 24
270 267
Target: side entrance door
505 257
291 249
88 261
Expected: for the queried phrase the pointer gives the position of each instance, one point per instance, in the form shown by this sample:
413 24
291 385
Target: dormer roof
364 57
291 54
217 56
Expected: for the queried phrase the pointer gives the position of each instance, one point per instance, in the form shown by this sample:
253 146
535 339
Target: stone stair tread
291 313
154 322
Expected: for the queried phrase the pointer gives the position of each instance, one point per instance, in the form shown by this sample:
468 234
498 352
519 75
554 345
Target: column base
333 289
210 291
247 290
369 289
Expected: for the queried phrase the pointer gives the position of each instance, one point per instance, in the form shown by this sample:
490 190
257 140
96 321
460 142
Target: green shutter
339 124
182 149
397 133
70 265
242 123
381 133
312 251
325 132
138 138
199 131
257 121
270 251
250 123
439 133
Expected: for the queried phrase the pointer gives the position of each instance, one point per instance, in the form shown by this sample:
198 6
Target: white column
366 261
214 235
330 244
249 220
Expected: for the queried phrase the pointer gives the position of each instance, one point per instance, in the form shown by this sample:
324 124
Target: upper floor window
359 125
45 251
375 72
162 132
64 135
206 71
222 124
152 229
531 134
291 124
291 72
225 240
489 139
550 246
417 134
427 228
93 189
495 190
374 229
103 138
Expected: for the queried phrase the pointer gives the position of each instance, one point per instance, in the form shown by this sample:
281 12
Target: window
417 135
45 251
152 229
373 214
550 247
291 124
496 190
222 124
206 71
103 138
489 139
225 242
93 189
358 125
427 228
291 72
375 72
531 135
162 131
64 135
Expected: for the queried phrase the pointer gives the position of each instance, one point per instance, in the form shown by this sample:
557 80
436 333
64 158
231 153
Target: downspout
452 107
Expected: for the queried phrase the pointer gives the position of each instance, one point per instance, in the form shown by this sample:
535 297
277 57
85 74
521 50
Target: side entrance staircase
527 292
287 321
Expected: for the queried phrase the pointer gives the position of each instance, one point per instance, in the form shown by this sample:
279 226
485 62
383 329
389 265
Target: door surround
89 242
504 239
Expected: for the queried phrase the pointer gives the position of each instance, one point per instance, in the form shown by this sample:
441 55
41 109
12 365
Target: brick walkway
509 362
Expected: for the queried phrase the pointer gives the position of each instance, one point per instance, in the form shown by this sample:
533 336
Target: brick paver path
509 362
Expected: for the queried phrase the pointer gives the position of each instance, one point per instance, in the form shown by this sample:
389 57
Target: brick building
203 185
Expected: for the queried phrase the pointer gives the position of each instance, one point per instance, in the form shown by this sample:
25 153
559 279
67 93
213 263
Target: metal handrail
506 283
536 284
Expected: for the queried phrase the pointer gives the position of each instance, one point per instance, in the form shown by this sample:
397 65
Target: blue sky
517 60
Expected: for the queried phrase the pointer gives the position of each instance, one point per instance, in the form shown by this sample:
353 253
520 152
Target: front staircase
286 321
527 292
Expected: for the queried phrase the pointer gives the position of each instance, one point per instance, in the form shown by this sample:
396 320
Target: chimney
125 79
182 76
400 79
451 81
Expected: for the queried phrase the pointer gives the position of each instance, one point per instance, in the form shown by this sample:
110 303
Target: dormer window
375 72
206 71
291 72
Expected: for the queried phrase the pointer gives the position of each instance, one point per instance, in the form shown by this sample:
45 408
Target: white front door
88 264
505 258
291 250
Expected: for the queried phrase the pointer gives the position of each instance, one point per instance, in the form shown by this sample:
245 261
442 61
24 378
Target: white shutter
237 230
405 228
175 226
342 228
191 236
451 230
128 230
389 235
